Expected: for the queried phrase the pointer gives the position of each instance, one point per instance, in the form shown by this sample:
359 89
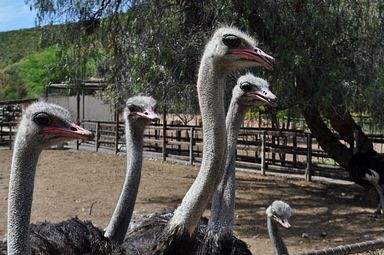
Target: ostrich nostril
73 129
146 113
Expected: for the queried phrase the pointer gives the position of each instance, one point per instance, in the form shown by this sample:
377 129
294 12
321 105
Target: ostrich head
47 124
233 49
280 212
141 109
251 90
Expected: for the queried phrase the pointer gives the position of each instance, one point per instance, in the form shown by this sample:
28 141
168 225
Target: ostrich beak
147 114
256 55
269 98
284 223
72 131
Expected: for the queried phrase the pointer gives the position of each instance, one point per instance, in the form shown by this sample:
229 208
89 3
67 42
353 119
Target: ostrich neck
121 217
380 192
223 201
210 87
274 235
20 195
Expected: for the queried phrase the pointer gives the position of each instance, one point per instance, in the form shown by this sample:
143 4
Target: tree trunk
342 122
325 138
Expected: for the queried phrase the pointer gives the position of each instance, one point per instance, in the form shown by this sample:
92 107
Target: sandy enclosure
87 185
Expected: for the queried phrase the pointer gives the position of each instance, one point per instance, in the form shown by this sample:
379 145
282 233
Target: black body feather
70 237
149 235
360 164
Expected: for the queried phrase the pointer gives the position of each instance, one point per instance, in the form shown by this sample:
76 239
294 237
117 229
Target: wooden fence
7 132
263 150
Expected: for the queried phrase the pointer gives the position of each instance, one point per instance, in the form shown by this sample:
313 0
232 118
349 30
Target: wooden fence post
97 136
294 154
178 138
164 137
117 130
308 169
191 146
10 136
263 165
256 150
77 114
283 154
156 137
273 159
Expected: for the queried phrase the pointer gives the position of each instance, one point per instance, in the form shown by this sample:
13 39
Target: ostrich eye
246 86
132 108
42 118
231 40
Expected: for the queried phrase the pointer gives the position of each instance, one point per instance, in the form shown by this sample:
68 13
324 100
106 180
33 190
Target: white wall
94 108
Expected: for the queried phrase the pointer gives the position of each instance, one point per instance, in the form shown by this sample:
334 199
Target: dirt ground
87 184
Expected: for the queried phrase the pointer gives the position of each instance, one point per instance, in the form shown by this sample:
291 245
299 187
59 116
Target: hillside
17 44
28 62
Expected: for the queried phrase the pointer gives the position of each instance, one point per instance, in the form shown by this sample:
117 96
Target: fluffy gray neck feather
121 217
210 86
223 201
274 235
21 184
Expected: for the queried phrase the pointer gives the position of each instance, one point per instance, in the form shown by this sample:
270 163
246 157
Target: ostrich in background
138 113
278 213
367 169
229 49
249 91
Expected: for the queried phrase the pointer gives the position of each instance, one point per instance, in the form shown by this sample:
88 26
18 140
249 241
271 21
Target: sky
15 14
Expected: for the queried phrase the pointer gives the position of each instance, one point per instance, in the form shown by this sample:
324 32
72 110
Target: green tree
28 77
329 53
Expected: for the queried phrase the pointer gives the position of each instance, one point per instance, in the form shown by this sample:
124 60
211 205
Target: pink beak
256 55
147 114
72 132
283 223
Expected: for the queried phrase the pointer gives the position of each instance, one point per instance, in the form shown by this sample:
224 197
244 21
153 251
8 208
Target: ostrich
138 113
43 125
278 213
229 49
249 91
368 169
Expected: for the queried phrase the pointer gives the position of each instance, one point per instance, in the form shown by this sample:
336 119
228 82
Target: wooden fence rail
263 150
